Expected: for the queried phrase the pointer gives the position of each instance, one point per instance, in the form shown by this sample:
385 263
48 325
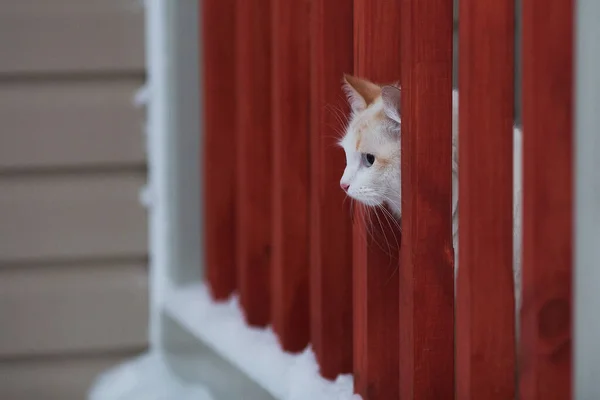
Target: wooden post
427 276
586 297
331 229
219 156
254 175
485 316
547 200
376 246
290 108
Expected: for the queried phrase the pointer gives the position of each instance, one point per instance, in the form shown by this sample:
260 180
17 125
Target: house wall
73 236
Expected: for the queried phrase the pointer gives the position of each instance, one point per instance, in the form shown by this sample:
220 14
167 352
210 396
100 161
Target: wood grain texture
546 314
426 278
219 155
376 244
331 229
291 188
254 175
485 317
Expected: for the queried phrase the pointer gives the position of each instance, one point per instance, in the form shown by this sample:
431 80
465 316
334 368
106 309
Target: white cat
372 146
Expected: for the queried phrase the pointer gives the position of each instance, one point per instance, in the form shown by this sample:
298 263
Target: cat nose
344 186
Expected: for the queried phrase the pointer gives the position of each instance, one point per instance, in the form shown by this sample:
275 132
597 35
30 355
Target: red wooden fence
547 200
376 246
254 158
280 233
427 278
219 158
331 239
291 185
485 297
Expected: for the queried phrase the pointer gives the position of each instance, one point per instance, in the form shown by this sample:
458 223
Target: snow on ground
254 351
145 377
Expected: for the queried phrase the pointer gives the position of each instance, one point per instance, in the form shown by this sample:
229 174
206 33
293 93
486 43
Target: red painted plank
485 317
546 313
375 258
254 175
427 278
377 58
331 229
290 108
219 158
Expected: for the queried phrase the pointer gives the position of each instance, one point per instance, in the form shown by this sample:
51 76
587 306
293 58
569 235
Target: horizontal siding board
41 36
67 309
52 379
70 123
71 216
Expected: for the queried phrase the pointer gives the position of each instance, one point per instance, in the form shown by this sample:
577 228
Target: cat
371 142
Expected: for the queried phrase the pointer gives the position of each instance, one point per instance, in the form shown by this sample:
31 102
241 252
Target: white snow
144 378
254 351
142 96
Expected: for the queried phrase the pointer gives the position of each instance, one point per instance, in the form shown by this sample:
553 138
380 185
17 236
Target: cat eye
368 159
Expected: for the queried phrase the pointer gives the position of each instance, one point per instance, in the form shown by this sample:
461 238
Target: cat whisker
389 252
338 114
366 224
369 226
389 216
386 212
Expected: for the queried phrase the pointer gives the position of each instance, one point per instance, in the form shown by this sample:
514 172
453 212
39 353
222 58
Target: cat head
372 144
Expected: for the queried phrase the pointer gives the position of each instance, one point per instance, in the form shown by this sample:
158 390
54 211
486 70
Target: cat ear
391 102
360 92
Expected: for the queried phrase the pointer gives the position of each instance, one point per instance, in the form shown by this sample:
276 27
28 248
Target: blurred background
73 233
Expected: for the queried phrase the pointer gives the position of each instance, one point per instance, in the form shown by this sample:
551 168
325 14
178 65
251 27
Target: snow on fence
279 234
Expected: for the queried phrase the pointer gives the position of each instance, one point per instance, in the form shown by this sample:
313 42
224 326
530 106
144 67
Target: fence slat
331 229
377 58
427 278
485 317
254 175
547 200
290 108
219 158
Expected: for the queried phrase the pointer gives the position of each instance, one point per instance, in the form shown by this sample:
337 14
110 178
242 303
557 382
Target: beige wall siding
77 36
80 122
71 216
73 234
72 308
